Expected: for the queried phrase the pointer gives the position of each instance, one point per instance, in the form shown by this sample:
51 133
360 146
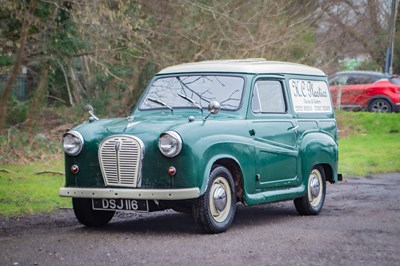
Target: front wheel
87 216
215 210
312 202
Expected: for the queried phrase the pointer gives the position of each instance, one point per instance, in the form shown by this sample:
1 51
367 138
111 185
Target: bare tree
201 30
355 27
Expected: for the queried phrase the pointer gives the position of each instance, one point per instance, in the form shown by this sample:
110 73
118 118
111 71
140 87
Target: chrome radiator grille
120 160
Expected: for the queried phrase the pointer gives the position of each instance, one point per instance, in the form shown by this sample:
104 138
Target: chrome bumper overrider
118 193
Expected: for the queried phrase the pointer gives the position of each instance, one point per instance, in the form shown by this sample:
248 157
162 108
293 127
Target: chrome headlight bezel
72 143
170 144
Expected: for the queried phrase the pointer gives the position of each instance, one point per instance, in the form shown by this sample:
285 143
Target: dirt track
359 225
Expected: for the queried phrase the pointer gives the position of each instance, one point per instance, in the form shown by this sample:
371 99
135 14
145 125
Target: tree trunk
39 99
131 95
77 88
17 65
71 102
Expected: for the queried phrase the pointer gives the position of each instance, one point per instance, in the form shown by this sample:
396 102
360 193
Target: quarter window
268 97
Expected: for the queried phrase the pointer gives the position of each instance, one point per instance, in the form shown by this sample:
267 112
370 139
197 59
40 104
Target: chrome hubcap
220 198
314 186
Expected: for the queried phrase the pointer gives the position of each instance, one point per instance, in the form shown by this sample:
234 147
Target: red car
366 90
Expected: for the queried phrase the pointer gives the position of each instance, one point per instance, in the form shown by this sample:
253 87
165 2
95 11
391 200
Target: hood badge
118 146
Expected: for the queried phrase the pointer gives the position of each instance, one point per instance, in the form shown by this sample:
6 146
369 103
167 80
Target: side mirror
90 110
213 107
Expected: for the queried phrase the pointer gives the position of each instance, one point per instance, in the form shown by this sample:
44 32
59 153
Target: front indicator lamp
171 171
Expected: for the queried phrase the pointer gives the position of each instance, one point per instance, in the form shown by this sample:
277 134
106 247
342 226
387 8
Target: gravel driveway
359 225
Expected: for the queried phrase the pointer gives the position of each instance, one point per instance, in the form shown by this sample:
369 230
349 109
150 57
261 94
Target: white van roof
256 66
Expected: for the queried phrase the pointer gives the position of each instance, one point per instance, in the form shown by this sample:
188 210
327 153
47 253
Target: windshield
201 89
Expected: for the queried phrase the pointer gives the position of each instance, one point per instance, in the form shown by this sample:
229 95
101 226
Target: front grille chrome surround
120 158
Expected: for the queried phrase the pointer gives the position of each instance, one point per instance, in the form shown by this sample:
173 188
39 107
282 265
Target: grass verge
369 143
27 189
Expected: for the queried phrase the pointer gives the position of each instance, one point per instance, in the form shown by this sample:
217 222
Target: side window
268 97
359 79
353 80
364 79
338 80
374 79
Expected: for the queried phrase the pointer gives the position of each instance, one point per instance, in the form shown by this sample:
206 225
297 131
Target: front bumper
119 193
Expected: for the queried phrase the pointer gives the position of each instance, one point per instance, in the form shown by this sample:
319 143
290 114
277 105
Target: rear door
355 91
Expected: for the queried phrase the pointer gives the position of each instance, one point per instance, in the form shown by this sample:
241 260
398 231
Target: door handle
294 128
252 132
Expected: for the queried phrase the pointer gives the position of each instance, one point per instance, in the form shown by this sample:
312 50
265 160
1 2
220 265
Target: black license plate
120 205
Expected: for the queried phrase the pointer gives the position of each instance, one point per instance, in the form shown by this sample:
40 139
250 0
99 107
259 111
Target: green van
205 136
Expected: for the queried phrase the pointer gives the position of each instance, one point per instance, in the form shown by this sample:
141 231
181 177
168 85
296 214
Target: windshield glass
202 89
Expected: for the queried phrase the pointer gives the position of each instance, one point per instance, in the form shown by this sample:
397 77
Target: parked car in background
366 90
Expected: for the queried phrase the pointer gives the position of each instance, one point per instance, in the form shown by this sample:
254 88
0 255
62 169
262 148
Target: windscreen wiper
191 101
160 103
194 92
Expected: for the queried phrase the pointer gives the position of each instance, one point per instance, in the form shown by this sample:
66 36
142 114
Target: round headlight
170 144
72 143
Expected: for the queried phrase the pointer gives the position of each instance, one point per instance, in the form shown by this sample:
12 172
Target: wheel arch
236 171
328 172
319 149
380 96
234 154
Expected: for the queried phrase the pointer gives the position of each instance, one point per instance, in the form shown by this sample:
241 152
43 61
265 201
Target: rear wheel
89 217
215 210
312 202
380 106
